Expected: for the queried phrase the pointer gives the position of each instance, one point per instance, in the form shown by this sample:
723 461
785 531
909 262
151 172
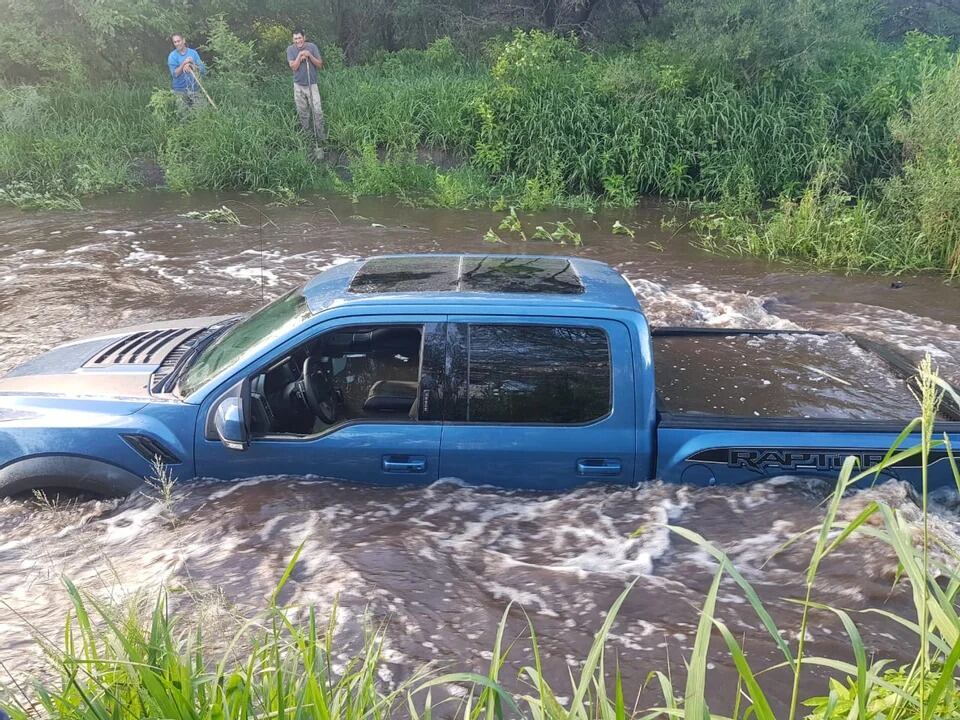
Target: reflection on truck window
359 373
538 374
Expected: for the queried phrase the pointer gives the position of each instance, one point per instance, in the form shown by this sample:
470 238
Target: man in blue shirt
185 64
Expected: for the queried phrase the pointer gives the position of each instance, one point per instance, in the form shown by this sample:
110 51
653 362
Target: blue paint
73 404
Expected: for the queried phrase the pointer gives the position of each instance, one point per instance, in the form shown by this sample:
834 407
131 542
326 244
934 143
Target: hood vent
151 450
149 347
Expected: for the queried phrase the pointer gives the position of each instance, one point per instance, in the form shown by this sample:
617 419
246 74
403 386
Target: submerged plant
26 197
511 223
620 229
222 214
561 233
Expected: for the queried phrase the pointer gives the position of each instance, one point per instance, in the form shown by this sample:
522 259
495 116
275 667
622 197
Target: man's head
178 42
299 38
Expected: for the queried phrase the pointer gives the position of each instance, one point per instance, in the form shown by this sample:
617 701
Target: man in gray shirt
305 60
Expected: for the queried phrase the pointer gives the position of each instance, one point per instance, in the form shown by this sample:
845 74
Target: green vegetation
222 214
823 130
124 664
908 221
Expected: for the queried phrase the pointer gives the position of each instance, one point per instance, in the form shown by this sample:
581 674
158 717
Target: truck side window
347 375
537 374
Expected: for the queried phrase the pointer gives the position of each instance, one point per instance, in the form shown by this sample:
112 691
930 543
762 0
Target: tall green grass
75 140
857 155
119 664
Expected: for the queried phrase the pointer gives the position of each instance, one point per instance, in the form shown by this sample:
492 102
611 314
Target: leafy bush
22 107
238 148
442 53
928 195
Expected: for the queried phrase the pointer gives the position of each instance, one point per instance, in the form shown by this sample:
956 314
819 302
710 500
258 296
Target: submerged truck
514 371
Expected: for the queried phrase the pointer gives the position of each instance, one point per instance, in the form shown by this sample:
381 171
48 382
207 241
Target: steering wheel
318 390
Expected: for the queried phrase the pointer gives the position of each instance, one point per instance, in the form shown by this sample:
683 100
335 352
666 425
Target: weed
511 223
52 503
162 482
222 214
620 229
25 197
561 233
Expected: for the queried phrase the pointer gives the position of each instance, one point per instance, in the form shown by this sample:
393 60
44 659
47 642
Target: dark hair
299 31
179 35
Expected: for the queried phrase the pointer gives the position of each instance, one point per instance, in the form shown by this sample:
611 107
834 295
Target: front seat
395 397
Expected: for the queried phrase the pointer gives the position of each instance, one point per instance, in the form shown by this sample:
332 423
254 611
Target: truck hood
118 364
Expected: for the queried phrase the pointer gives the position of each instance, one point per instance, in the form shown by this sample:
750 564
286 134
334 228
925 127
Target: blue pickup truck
521 372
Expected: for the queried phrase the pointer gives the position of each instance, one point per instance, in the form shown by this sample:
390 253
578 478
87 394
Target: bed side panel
699 456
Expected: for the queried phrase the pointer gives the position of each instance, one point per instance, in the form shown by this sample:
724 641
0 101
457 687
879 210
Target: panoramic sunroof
444 273
407 274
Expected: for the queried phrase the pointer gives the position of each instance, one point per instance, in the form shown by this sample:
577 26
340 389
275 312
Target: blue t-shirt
184 82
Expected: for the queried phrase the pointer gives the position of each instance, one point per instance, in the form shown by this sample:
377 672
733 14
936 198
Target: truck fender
67 471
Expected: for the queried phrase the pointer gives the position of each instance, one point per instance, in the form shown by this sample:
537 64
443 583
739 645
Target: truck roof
471 279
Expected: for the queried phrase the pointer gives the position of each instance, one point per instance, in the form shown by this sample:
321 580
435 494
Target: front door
538 403
356 402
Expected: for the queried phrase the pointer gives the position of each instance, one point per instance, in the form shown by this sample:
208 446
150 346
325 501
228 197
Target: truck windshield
266 324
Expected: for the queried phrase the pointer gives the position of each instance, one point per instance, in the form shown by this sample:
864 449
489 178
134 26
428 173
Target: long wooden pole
200 85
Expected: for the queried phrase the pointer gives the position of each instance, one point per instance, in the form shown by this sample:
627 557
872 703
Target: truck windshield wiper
186 360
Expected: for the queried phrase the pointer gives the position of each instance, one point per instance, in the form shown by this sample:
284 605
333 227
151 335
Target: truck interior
346 375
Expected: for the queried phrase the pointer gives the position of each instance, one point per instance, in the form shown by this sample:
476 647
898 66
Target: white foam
696 304
122 233
240 272
138 257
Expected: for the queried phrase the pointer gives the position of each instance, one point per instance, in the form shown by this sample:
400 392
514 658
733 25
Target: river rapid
440 564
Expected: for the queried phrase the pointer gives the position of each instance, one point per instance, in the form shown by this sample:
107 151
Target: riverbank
856 156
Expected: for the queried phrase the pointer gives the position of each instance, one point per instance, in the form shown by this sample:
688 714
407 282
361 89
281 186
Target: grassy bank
122 664
855 152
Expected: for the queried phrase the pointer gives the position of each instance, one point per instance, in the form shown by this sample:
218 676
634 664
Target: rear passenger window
537 374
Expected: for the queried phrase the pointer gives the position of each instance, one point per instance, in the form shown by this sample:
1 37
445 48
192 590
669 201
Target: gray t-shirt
306 74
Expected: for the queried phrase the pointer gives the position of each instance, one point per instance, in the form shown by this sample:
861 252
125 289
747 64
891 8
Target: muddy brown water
440 564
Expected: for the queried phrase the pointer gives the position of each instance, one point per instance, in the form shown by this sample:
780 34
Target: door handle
598 467
404 464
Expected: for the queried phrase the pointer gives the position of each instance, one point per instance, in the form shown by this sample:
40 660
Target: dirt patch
147 172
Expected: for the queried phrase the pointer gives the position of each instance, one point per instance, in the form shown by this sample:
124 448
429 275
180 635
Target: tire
67 472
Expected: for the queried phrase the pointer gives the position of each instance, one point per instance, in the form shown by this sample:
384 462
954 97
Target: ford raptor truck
514 371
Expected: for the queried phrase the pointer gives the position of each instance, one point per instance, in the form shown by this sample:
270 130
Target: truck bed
740 405
776 374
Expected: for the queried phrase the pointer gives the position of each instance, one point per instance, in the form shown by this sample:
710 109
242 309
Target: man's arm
315 60
177 70
294 63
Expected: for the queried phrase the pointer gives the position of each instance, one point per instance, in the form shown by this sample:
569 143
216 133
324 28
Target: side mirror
231 424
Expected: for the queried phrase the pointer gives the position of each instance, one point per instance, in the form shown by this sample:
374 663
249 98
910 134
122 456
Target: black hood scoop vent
148 347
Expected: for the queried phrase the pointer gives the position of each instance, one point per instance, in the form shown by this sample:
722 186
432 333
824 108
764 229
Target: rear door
538 403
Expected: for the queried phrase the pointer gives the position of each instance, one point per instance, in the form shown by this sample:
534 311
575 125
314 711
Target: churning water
440 564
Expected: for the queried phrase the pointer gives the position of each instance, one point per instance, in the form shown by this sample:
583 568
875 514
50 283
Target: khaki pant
307 98
190 100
